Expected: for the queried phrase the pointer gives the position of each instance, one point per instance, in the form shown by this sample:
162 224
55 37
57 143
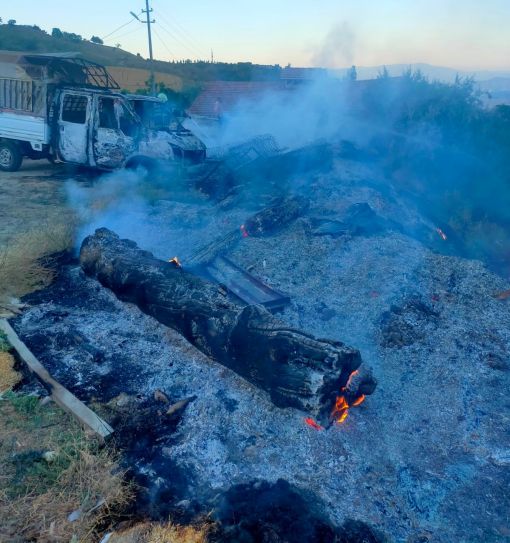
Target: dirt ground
32 195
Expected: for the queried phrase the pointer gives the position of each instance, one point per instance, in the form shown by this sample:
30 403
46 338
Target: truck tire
10 156
145 163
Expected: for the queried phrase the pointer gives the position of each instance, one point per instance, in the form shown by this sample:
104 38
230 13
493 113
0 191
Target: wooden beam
65 399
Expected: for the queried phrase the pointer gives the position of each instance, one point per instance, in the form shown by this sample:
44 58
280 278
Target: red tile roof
229 93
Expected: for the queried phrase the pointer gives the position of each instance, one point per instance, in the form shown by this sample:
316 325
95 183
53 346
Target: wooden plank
61 395
244 285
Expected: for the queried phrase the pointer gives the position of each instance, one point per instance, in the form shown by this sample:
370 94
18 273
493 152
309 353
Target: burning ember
358 401
341 409
244 232
175 261
441 233
502 295
313 424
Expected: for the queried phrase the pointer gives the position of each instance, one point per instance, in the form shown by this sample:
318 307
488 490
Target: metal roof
63 68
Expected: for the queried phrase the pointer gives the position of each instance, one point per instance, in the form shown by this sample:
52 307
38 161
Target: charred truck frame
64 108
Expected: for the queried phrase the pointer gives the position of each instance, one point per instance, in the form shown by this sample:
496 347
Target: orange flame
341 404
359 401
343 416
502 295
441 233
313 424
175 261
244 232
341 409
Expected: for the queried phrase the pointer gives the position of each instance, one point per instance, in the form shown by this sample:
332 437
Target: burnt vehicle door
116 130
73 127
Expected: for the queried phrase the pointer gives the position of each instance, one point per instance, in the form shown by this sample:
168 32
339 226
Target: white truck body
23 127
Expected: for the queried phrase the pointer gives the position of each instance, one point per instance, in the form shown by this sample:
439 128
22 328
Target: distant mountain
440 73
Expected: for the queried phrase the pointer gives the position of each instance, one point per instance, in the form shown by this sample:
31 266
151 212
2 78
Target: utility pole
148 22
148 12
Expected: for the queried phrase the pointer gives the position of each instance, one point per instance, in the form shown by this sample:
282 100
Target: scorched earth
426 457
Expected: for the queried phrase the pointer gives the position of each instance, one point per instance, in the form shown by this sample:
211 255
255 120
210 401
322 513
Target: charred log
296 369
265 222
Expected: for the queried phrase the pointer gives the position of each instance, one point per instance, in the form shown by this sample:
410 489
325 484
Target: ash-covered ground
425 458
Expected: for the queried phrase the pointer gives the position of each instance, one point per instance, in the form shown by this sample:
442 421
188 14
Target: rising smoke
338 47
434 141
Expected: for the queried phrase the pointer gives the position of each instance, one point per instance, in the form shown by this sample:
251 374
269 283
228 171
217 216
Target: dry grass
8 375
162 533
24 262
37 495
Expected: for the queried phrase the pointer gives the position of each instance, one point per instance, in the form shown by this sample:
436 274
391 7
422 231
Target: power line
183 32
164 44
130 32
177 39
117 29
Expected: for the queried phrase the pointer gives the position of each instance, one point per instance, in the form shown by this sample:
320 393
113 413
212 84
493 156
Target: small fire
341 409
351 376
313 424
441 233
175 261
359 401
502 295
244 232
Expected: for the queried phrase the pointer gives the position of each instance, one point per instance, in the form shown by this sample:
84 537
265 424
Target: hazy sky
464 34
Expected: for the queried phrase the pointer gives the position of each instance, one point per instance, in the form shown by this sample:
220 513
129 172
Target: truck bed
24 127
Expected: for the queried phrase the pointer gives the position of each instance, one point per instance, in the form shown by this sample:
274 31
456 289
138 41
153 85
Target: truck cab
100 129
157 114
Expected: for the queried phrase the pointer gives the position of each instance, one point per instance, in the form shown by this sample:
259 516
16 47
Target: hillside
33 39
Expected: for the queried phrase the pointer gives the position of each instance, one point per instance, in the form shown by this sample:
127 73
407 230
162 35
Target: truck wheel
10 156
145 163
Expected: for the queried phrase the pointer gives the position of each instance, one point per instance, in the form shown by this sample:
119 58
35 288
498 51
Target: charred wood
359 220
295 368
263 223
315 156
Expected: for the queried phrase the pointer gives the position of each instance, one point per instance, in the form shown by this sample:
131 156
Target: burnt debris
281 513
408 323
267 221
295 368
359 220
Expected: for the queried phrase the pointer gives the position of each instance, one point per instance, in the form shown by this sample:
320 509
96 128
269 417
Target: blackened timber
295 368
265 222
245 286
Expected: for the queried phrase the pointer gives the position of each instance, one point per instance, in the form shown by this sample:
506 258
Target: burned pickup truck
64 108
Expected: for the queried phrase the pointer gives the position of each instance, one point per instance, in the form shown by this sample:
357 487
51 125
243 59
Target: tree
11 22
72 36
383 74
57 33
96 39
